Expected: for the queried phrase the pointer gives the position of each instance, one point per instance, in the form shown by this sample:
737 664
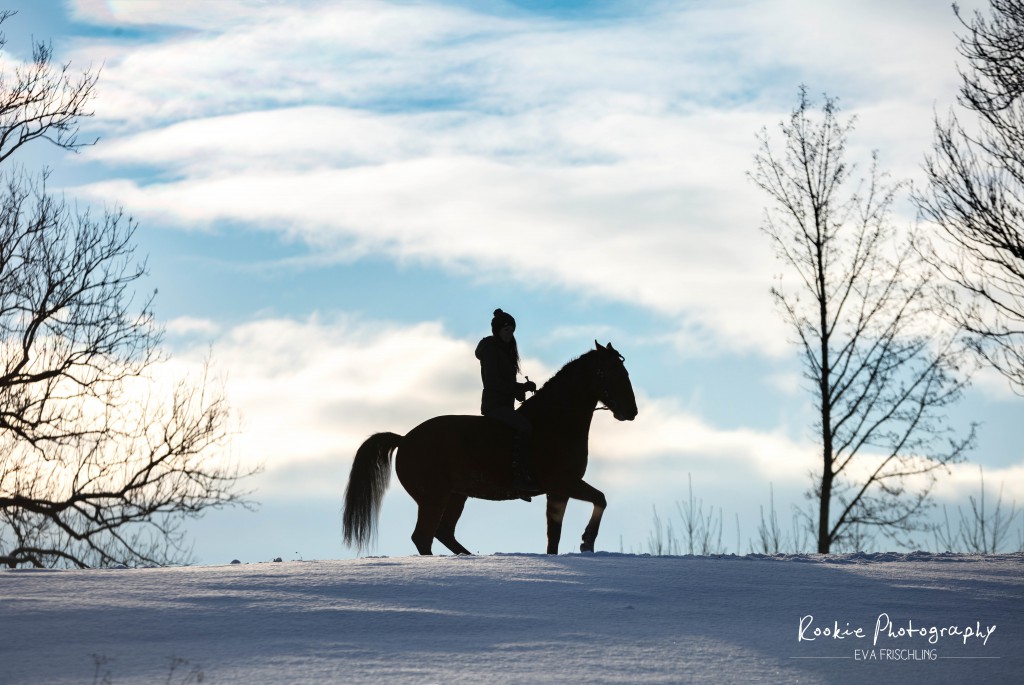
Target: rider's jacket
498 372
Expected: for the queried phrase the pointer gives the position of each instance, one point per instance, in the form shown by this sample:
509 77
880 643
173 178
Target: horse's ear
611 349
597 345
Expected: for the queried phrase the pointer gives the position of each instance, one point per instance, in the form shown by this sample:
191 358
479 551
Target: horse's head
611 383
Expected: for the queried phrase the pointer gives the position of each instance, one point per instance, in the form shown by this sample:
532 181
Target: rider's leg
521 479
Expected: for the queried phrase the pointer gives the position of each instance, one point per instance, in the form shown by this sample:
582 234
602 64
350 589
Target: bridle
605 395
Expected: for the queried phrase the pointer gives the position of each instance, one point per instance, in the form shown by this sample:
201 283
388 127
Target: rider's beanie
500 320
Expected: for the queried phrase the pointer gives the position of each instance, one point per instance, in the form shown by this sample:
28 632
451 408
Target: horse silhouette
447 459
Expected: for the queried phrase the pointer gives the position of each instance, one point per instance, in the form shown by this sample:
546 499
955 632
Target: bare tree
100 460
699 533
983 532
770 537
856 297
975 195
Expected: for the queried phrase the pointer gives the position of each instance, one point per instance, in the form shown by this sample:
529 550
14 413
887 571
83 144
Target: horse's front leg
583 491
556 512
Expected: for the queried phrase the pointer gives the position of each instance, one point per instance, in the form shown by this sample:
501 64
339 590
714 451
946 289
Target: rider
499 364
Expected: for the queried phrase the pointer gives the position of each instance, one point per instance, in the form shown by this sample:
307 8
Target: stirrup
523 483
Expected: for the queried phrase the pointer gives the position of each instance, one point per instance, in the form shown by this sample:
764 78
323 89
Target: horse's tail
367 483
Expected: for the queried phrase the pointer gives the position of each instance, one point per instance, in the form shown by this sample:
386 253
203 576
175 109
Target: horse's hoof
587 549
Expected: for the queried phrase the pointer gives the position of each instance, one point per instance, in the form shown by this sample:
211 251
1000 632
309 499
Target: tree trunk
824 534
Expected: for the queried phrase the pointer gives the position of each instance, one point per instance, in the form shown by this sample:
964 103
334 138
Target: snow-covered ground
523 619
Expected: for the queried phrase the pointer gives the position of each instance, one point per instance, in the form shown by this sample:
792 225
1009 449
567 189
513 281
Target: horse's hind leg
446 529
426 526
556 512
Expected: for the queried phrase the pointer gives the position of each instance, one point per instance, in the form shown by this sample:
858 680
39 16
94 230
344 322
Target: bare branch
41 100
975 193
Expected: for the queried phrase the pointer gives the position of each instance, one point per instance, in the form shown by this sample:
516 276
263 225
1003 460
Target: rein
603 397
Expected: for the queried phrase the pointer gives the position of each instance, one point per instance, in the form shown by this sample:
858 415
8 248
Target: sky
334 197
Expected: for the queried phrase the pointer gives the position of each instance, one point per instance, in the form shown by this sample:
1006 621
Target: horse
447 459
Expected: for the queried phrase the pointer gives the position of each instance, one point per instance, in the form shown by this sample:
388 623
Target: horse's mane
561 381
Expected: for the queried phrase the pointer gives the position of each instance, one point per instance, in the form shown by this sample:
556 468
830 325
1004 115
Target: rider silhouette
499 364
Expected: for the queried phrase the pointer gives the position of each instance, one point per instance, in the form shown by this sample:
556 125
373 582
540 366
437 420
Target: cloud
965 481
665 430
309 390
649 231
605 157
185 326
994 386
376 53
197 14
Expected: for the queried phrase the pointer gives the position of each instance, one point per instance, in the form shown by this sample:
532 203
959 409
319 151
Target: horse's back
459 430
457 453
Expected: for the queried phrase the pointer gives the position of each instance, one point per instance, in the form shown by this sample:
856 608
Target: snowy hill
523 619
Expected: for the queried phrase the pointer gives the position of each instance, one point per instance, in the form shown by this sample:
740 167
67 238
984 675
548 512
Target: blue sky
334 196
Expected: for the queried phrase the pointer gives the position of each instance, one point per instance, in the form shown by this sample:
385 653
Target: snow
523 619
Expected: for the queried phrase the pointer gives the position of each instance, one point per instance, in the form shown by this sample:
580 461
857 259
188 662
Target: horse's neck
566 406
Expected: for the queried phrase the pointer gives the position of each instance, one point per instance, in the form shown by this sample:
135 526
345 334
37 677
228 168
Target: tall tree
975 194
856 297
99 462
